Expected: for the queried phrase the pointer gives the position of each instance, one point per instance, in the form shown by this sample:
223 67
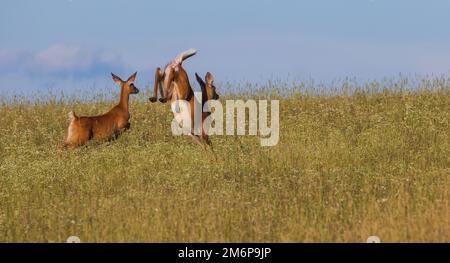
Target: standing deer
173 85
107 126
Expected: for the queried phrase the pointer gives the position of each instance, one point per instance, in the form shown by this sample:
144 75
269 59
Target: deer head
207 86
126 86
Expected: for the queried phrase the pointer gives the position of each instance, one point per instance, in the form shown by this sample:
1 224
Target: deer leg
116 135
127 126
205 137
208 145
158 79
118 132
206 140
167 90
162 99
197 140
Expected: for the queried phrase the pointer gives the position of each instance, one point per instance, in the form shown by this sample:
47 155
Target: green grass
346 167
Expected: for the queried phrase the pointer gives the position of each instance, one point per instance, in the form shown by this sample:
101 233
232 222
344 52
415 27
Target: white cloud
7 56
59 59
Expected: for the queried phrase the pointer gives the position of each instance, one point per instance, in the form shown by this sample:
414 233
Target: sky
75 44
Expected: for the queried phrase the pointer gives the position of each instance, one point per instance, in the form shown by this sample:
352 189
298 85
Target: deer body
107 126
173 84
184 114
173 74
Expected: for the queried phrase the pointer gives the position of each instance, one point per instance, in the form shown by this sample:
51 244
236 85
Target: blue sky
67 44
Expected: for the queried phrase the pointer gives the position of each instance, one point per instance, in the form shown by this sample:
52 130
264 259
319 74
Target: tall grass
370 159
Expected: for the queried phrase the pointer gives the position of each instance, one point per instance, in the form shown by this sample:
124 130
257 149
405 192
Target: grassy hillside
346 167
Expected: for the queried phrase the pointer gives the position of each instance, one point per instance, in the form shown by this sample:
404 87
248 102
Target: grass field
347 166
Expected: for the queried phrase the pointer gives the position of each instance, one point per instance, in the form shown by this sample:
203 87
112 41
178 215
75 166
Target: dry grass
346 167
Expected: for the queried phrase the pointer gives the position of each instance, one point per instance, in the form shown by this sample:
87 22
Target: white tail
184 55
72 116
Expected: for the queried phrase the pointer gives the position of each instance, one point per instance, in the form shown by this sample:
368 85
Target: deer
107 126
208 93
173 73
173 85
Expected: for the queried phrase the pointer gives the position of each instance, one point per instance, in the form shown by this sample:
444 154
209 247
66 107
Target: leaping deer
173 73
106 126
173 85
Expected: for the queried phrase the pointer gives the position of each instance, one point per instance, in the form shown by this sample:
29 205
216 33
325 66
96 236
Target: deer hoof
152 99
162 100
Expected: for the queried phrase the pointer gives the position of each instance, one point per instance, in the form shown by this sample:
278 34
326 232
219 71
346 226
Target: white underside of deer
182 113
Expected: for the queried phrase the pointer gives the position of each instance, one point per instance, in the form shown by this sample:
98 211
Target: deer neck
124 98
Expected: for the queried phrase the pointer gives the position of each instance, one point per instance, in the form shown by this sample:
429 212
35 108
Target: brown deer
173 85
107 126
174 74
208 93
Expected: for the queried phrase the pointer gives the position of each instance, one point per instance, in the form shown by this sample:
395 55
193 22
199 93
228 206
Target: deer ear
117 79
199 80
209 78
132 78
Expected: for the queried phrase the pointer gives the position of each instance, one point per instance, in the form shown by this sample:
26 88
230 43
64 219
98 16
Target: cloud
60 60
60 67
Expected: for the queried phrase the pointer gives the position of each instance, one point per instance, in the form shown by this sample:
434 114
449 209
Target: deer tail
184 55
72 116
